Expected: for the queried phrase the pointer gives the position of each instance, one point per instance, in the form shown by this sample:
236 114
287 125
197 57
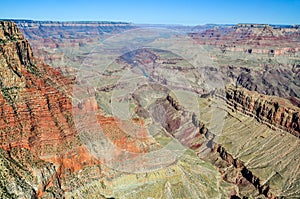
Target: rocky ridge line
215 147
271 110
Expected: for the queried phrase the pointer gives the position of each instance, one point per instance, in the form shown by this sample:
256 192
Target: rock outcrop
34 98
272 110
36 118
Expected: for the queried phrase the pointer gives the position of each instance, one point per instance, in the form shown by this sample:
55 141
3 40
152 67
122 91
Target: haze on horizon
189 12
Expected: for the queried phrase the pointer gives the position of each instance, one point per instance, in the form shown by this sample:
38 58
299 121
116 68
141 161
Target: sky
185 12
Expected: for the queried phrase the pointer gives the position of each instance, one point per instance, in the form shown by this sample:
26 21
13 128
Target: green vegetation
34 70
8 95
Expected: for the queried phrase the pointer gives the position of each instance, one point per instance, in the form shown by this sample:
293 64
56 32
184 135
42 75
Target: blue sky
189 12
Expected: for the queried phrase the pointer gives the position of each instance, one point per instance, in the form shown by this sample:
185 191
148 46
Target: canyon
151 122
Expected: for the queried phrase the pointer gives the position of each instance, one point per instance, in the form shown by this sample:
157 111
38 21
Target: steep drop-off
34 102
36 118
271 110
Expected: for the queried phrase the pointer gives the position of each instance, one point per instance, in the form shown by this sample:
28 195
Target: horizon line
156 24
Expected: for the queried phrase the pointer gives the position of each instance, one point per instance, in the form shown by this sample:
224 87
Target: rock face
36 118
274 111
31 94
15 53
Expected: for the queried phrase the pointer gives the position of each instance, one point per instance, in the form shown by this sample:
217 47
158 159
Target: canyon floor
119 110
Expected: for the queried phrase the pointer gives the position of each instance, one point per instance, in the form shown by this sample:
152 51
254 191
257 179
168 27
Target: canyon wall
272 110
36 118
